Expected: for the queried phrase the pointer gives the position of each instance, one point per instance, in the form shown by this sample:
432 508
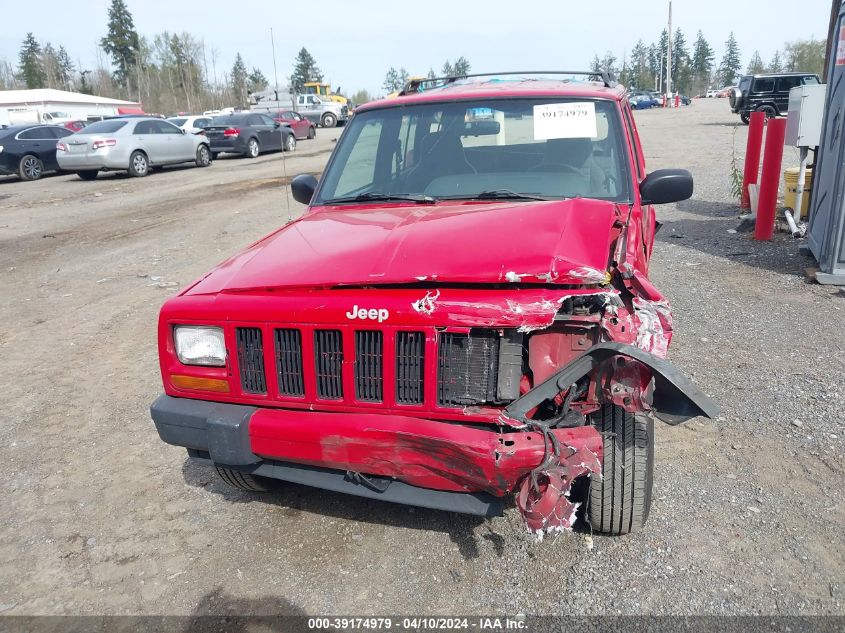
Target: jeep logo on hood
372 314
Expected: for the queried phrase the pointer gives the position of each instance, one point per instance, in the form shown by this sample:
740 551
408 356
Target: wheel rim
329 121
139 163
253 148
31 168
291 143
204 156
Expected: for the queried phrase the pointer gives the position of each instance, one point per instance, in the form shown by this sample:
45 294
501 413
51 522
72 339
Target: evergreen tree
608 63
257 80
703 58
431 74
50 66
776 65
404 77
640 74
653 65
392 81
755 64
239 79
305 70
681 64
448 70
595 65
31 71
731 62
66 68
461 66
122 41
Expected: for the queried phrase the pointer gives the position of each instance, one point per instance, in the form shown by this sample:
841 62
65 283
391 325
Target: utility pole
669 60
275 71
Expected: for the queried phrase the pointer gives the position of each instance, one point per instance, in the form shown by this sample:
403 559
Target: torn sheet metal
427 304
543 497
654 325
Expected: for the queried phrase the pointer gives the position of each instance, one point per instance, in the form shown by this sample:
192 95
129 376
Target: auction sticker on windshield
565 120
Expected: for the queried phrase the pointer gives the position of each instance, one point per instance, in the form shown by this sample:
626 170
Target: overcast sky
356 41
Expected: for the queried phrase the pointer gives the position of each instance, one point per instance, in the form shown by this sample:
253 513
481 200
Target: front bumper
409 460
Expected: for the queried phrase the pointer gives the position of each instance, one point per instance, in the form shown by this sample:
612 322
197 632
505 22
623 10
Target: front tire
203 156
620 501
328 120
139 164
245 481
252 148
30 167
290 143
312 132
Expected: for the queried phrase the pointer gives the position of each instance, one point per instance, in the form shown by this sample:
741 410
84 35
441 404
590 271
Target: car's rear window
104 127
230 119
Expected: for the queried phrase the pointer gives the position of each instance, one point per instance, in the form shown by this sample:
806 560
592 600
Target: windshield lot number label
565 120
364 314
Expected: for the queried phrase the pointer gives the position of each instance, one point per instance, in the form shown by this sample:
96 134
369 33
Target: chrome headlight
200 345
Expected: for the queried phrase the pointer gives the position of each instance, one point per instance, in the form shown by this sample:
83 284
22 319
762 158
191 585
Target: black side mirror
666 185
303 187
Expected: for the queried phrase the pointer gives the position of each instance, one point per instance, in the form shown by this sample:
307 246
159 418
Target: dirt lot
100 517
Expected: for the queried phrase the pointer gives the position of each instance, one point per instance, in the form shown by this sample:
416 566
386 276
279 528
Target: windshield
545 147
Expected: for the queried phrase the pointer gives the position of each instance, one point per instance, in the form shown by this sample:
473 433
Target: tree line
694 69
396 79
169 72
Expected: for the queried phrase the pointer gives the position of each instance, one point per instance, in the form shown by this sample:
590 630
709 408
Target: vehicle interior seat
576 153
439 154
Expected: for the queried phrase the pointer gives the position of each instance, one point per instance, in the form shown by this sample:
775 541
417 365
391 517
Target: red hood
561 241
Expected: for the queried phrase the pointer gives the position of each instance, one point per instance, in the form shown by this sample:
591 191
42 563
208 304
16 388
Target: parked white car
193 124
132 144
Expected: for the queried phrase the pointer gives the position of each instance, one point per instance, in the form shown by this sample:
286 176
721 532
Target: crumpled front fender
676 398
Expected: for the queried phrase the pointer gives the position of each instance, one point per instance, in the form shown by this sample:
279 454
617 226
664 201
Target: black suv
767 93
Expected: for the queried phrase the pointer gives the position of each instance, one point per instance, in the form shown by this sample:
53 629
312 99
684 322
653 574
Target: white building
46 105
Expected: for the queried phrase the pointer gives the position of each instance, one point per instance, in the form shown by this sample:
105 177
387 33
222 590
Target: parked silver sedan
135 144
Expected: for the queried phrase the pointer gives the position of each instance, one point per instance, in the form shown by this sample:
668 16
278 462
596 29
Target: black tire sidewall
329 118
290 143
203 149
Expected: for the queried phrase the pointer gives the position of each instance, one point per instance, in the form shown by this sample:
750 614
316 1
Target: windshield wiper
375 196
499 194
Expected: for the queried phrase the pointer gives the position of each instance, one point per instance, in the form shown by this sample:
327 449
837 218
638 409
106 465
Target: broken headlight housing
200 345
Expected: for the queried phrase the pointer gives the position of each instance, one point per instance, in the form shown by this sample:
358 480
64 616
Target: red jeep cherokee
463 313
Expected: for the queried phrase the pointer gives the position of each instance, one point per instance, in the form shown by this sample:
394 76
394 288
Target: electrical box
806 113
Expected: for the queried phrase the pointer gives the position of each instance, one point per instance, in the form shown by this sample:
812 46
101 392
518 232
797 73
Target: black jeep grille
467 368
251 359
289 362
410 367
369 364
328 358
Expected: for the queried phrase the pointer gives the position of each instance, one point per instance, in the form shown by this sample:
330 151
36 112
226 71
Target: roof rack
417 85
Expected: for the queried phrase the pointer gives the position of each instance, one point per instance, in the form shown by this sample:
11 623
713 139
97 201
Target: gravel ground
100 517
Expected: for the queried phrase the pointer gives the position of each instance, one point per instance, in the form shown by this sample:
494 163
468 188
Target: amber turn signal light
200 384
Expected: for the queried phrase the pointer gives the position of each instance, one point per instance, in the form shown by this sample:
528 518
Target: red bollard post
764 227
678 100
752 155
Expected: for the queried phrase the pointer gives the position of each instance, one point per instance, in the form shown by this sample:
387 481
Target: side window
811 80
313 100
167 128
764 84
62 132
632 138
361 162
201 123
785 84
254 120
36 134
267 120
144 127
